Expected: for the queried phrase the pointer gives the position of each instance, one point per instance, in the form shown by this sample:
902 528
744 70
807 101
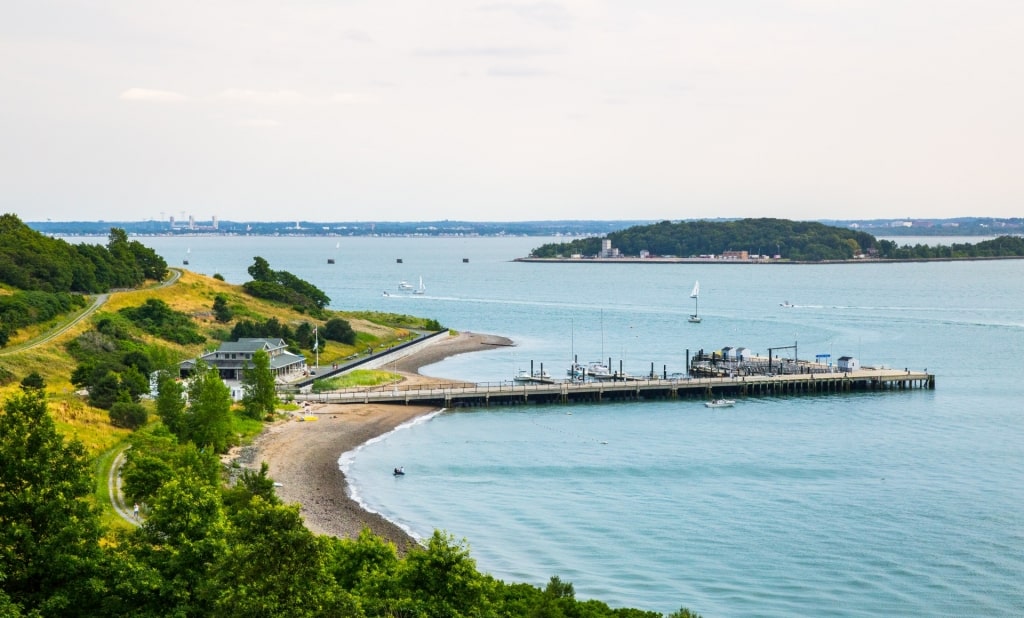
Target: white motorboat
537 377
719 403
405 286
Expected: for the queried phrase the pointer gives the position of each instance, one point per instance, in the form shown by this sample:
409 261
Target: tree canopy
791 240
283 286
32 261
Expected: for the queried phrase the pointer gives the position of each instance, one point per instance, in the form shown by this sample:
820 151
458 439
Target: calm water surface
902 503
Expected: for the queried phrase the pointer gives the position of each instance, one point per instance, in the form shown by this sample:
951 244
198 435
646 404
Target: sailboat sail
694 295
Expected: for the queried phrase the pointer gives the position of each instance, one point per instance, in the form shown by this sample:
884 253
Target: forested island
763 240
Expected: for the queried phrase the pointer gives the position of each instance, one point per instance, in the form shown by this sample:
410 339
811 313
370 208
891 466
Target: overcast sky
327 110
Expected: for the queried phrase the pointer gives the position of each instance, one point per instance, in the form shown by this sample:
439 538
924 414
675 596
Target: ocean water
898 503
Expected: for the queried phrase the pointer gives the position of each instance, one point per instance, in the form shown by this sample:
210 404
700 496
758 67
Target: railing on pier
508 393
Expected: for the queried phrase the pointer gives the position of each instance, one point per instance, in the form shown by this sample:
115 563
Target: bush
128 414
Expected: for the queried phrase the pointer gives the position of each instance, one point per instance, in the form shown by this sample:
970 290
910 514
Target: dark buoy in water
465 260
398 261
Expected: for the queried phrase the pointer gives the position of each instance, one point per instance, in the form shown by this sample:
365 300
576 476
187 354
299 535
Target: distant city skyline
499 110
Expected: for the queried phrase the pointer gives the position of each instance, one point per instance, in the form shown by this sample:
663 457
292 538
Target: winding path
97 301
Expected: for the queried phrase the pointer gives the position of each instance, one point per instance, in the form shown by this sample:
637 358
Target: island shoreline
302 455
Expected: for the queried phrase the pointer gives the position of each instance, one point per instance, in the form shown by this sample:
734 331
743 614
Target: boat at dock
537 377
719 403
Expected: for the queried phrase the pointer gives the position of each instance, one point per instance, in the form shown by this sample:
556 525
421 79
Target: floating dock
450 395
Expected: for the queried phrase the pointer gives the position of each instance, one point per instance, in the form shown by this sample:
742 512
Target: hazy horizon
511 111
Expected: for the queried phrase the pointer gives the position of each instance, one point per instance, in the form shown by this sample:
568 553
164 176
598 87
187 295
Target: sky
499 110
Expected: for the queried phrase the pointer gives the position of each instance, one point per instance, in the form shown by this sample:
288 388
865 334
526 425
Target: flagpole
316 346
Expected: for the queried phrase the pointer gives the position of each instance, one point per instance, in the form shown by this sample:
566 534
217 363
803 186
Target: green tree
221 311
209 411
339 330
33 381
170 403
270 551
128 414
49 530
442 578
260 398
182 537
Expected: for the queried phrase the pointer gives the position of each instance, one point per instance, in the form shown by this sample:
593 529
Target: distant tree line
791 240
1004 246
795 240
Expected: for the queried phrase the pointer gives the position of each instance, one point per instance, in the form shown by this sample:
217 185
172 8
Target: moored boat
719 403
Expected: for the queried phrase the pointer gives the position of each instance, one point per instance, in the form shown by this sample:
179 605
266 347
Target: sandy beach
303 456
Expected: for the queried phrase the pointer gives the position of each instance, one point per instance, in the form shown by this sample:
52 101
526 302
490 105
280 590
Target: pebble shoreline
303 456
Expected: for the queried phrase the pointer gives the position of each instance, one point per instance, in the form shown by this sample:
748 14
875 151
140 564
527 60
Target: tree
170 403
339 330
182 537
269 550
33 381
49 530
260 397
442 578
128 414
221 311
209 411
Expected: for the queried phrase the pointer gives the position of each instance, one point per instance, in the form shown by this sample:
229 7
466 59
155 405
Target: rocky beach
303 455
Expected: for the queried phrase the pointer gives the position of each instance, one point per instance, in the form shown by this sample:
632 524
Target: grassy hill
38 349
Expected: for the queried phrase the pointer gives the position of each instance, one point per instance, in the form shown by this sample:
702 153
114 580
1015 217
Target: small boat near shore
719 403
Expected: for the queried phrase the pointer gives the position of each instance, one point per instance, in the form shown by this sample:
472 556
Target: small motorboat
719 403
400 471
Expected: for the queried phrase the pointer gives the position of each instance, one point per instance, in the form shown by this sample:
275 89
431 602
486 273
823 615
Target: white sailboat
421 289
695 294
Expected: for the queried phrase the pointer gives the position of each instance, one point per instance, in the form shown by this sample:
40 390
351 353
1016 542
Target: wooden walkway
451 396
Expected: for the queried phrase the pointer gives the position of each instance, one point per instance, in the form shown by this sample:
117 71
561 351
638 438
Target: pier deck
449 396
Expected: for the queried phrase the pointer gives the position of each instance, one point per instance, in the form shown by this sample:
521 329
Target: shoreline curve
303 457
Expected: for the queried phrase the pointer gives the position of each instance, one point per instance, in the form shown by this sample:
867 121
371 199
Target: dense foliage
299 338
22 308
1004 246
158 319
113 364
795 240
209 549
31 261
337 329
791 240
284 287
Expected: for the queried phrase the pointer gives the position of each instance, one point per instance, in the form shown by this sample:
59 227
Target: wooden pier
452 396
